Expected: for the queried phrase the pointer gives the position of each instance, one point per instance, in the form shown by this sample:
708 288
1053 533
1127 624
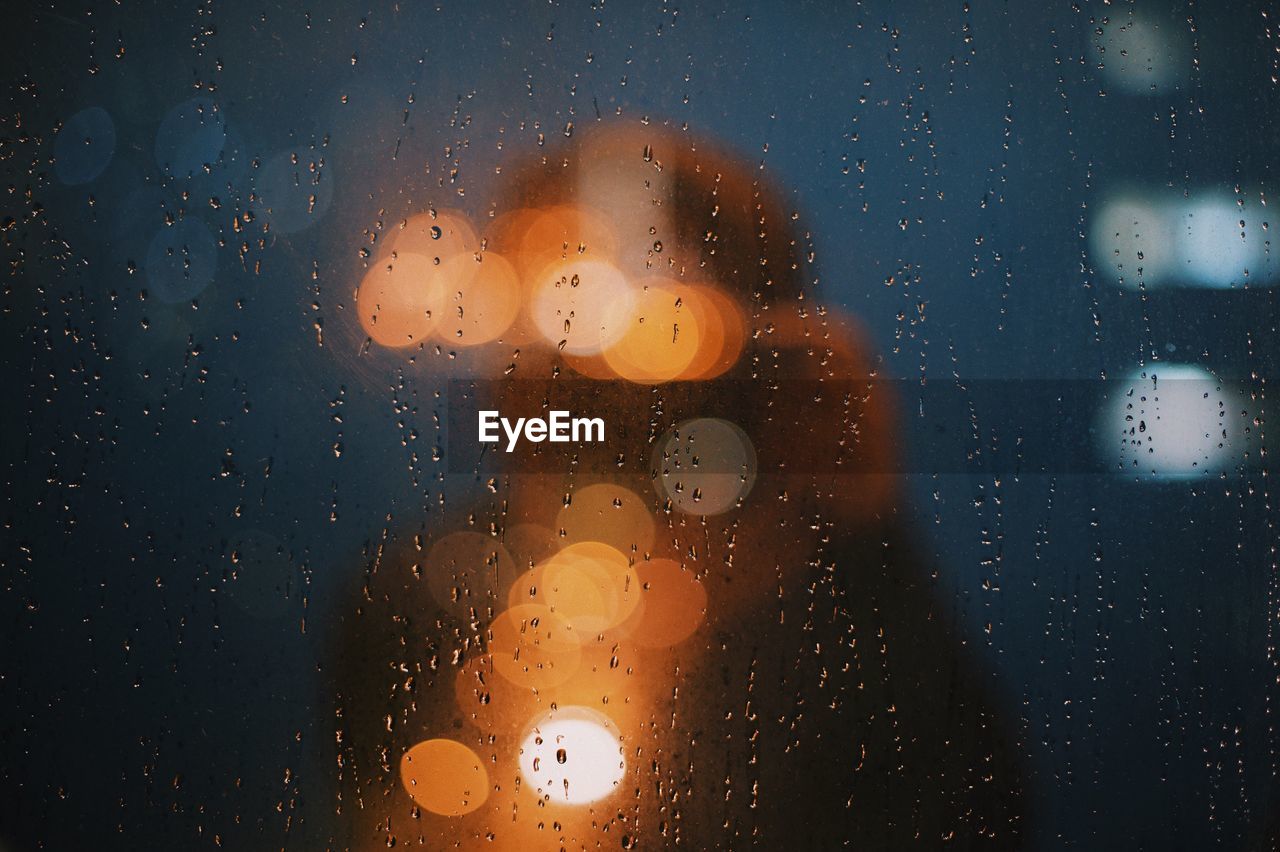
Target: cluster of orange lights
553 276
568 627
568 617
578 616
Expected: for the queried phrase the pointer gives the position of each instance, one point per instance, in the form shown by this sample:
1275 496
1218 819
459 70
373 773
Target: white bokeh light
1175 421
1214 238
1141 56
582 306
1215 246
573 756
1131 238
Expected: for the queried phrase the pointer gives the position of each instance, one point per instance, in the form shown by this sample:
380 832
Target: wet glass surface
931 346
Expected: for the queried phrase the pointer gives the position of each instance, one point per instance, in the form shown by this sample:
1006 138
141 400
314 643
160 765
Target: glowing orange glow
592 585
674 605
398 301
660 339
607 680
722 333
650 268
481 298
502 235
580 306
439 236
534 647
608 513
489 701
444 777
469 570
566 232
589 584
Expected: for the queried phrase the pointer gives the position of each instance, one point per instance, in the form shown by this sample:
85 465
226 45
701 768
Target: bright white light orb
1174 421
1214 239
573 756
1216 245
581 306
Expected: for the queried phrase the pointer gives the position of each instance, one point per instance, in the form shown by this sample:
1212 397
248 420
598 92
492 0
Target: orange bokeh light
607 513
398 300
444 777
590 584
534 647
661 336
674 605
481 298
439 235
564 232
722 332
580 306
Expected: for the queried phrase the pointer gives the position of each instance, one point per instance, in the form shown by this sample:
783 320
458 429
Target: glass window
530 426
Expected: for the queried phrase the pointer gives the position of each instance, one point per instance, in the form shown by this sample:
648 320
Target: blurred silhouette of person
825 701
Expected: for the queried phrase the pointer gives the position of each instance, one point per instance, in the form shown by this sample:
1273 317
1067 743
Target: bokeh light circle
704 466
398 301
721 332
581 306
294 190
590 584
191 136
84 146
563 233
660 339
1139 55
444 777
439 234
608 513
481 298
1215 245
573 756
1174 421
